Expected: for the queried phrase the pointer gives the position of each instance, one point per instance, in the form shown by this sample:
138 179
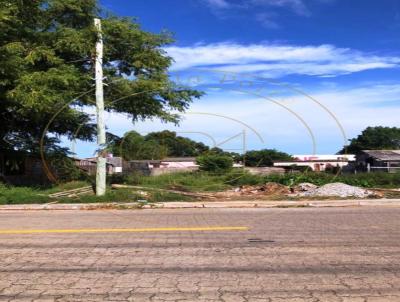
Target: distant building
317 162
179 162
113 164
378 160
164 166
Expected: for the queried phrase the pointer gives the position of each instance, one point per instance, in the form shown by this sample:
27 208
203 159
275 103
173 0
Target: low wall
264 170
161 171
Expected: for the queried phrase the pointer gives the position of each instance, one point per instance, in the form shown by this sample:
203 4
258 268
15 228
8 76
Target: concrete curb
203 204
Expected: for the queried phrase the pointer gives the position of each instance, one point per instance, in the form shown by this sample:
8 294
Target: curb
200 204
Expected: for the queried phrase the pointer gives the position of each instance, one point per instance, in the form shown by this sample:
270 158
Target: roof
92 160
384 155
115 161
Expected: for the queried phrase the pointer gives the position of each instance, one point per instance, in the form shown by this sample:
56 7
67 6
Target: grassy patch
366 180
190 182
122 195
66 186
159 196
26 195
21 195
201 181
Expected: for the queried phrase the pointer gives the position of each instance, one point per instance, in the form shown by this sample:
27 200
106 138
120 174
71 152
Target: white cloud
296 6
278 60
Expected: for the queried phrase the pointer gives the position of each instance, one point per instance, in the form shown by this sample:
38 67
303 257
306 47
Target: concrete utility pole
101 129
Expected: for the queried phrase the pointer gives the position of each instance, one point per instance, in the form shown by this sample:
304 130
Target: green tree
134 146
46 62
235 156
214 163
264 158
374 138
177 145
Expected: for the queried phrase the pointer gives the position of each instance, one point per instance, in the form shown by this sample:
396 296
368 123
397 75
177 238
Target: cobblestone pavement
304 254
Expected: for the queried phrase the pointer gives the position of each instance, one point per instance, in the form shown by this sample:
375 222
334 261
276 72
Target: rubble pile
340 190
270 188
335 190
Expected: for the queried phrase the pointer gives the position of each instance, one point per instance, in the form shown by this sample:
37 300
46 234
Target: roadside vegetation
199 181
32 195
205 181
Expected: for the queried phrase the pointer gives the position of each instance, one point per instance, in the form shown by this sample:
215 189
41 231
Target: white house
318 162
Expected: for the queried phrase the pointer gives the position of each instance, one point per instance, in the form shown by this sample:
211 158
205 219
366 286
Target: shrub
65 168
215 163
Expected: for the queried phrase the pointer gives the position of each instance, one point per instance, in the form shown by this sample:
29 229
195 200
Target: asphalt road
304 254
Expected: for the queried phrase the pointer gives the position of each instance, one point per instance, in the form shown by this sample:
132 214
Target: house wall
178 164
161 171
313 165
265 170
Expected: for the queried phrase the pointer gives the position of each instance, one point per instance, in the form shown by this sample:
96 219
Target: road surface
295 254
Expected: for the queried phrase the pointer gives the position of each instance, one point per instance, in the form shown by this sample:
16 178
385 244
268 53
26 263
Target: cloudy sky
301 76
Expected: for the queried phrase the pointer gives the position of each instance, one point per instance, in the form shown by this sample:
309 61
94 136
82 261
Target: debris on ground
73 193
305 187
335 190
270 188
145 191
301 190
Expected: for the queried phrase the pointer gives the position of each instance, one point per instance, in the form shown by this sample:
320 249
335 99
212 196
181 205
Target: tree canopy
46 68
177 145
374 138
155 145
264 158
134 146
158 145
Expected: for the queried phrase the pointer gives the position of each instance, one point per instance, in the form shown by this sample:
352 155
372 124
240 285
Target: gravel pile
338 190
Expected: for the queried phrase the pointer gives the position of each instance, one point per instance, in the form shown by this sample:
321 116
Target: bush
65 168
215 163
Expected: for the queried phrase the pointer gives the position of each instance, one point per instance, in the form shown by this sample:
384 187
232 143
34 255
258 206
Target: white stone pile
336 189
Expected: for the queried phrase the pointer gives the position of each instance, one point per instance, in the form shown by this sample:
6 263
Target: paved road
305 254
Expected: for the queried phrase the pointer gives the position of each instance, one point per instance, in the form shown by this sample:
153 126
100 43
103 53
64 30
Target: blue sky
268 63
